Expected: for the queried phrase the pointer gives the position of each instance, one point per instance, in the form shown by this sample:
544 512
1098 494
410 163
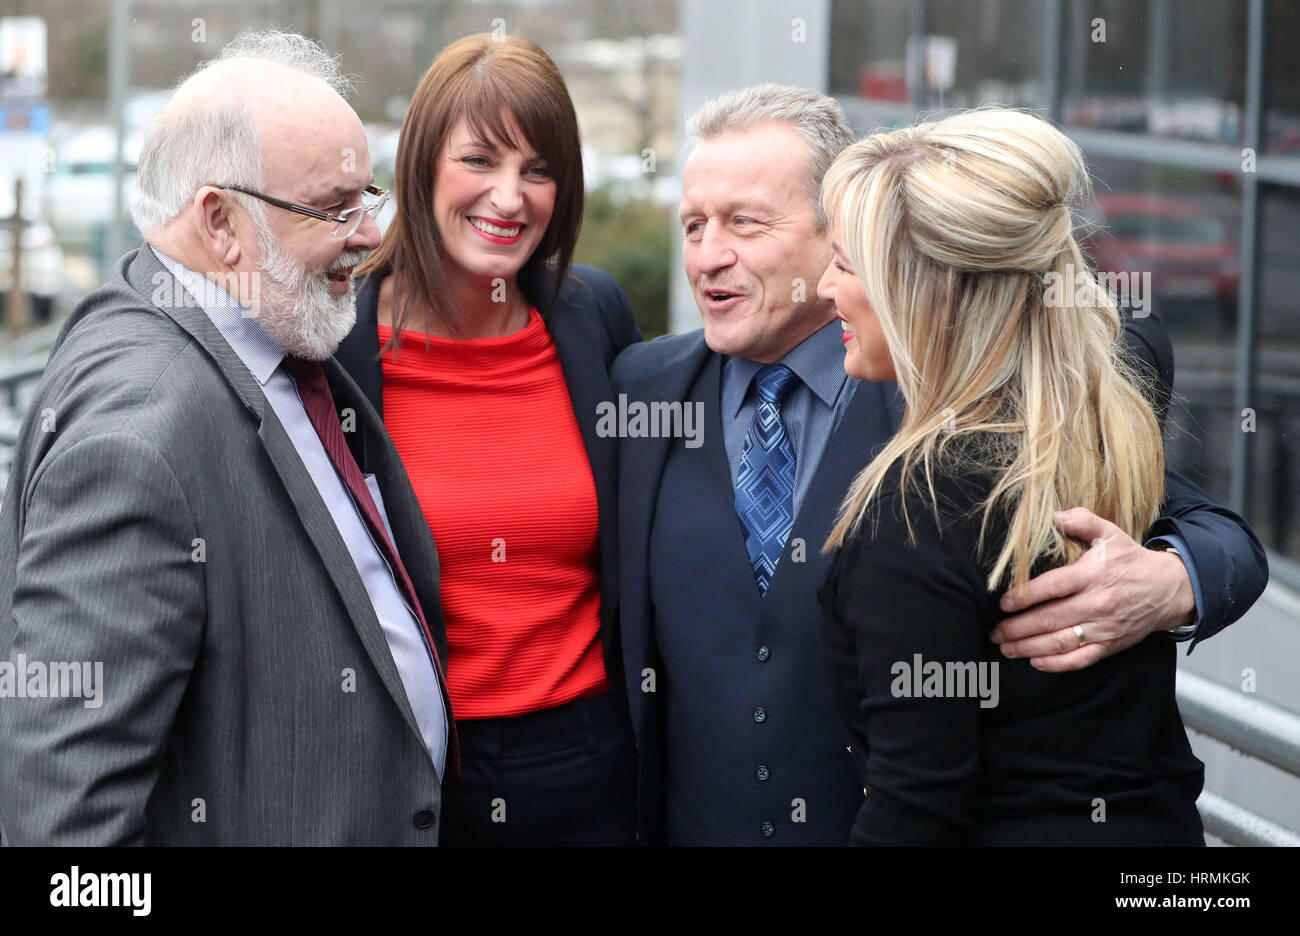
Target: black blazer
1228 557
956 745
590 322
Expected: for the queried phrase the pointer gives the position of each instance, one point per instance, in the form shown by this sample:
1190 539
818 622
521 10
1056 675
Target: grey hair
817 118
216 139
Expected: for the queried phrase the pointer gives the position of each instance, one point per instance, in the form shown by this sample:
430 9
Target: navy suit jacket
590 322
1228 558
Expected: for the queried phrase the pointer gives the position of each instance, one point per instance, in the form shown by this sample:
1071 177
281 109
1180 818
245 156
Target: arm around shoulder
1230 563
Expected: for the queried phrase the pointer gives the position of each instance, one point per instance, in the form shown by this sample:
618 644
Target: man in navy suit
720 539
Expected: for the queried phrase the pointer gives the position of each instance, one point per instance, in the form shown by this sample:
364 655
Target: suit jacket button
423 818
764 654
767 829
762 772
760 714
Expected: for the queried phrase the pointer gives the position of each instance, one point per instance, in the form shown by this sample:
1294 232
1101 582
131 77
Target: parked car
1178 241
79 193
1123 112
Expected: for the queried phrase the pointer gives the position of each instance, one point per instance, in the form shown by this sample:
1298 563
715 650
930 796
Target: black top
1007 755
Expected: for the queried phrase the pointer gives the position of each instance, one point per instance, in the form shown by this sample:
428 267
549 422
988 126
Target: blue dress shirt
811 409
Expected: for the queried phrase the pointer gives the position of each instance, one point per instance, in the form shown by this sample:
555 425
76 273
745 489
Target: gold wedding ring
1078 632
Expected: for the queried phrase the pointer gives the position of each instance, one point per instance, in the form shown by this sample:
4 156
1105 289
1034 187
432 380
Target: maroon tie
314 390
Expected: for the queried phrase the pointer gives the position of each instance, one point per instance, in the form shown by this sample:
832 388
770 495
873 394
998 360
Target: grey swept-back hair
818 119
216 139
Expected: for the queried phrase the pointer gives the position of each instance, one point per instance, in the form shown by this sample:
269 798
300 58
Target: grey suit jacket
159 521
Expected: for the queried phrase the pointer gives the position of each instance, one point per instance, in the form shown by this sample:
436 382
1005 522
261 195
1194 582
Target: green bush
632 241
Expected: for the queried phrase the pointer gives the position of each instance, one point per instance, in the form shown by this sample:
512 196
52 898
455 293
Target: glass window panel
867 43
989 69
962 59
1172 68
1282 80
1174 233
1275 513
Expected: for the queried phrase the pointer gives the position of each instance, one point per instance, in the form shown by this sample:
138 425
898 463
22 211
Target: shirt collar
260 352
818 361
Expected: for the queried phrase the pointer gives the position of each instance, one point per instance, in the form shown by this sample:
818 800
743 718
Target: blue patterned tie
765 482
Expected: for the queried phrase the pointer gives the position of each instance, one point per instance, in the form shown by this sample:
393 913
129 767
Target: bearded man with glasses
207 517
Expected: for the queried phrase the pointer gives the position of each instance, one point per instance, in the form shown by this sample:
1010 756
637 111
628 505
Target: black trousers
561 776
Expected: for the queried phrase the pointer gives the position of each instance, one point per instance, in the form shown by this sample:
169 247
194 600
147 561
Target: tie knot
303 371
773 381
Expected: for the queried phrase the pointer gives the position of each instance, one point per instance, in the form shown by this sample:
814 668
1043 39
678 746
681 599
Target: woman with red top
495 357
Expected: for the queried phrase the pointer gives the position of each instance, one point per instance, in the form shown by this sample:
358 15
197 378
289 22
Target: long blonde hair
961 234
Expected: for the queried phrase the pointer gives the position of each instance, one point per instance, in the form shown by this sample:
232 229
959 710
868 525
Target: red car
1177 241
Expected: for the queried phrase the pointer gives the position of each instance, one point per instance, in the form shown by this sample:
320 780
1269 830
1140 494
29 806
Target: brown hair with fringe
488 83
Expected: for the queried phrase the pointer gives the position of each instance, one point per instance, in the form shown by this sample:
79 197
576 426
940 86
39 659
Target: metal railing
17 374
1254 727
14 377
1237 825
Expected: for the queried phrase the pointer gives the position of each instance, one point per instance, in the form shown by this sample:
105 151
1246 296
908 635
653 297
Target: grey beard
296 306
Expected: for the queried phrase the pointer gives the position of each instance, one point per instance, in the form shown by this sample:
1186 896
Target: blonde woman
947 240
